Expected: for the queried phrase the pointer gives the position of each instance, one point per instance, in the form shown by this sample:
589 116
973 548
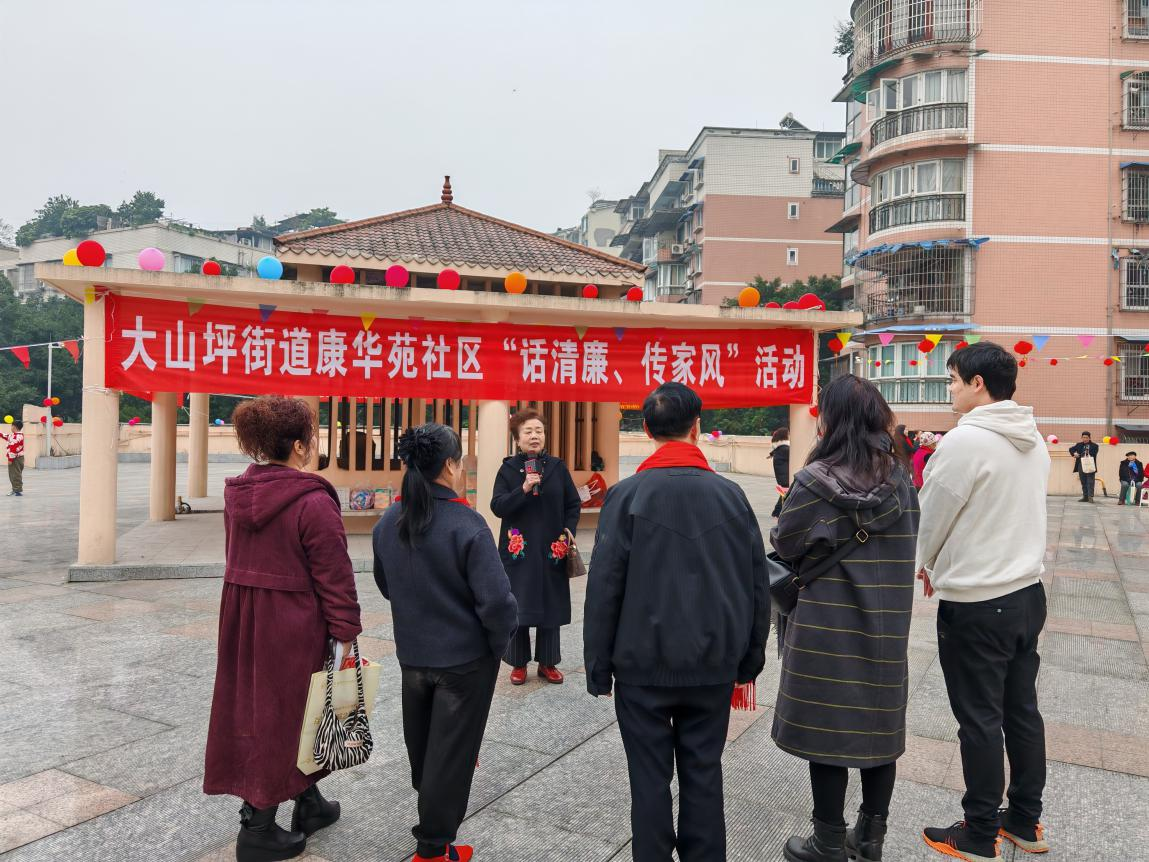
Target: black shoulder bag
786 581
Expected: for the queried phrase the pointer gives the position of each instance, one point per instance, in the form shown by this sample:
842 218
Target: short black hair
670 411
18 424
1086 434
992 363
1127 454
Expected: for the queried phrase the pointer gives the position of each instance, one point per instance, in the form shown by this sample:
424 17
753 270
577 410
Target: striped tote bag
340 743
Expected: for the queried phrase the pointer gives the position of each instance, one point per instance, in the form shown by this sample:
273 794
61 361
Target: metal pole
48 424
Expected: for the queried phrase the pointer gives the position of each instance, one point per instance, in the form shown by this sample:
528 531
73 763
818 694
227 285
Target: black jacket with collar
677 593
1123 473
1083 449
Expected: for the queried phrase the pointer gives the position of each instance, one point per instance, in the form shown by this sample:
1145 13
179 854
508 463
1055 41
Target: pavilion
455 354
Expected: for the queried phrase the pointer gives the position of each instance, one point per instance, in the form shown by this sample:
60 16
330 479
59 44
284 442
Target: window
874 105
649 249
906 376
932 86
791 257
910 91
825 149
1137 101
1137 19
1135 193
919 192
698 218
637 211
955 85
902 177
671 275
953 175
795 165
1135 283
186 262
791 210
889 94
927 179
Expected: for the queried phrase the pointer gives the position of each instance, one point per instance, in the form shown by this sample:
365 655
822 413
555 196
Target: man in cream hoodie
981 544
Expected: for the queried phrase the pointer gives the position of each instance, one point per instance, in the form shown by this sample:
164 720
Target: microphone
532 466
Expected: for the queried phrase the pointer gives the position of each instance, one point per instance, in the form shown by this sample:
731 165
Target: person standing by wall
536 499
1132 475
677 612
14 448
780 455
927 442
981 548
1085 465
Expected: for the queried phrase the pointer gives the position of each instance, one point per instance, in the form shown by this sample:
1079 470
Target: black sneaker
1031 839
956 841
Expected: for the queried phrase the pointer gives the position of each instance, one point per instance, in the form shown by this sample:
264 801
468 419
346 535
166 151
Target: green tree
843 38
78 222
47 221
828 288
143 208
318 217
259 222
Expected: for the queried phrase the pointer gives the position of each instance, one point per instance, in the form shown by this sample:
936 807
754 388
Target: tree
7 234
317 217
259 222
844 38
78 222
143 208
826 287
47 221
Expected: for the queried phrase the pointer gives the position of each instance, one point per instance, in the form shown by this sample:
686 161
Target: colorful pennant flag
21 353
933 338
367 319
972 339
619 332
1085 340
1039 341
265 311
194 306
581 331
73 347
886 338
843 337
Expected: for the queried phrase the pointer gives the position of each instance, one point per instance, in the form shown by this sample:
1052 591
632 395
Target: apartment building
736 204
975 207
597 228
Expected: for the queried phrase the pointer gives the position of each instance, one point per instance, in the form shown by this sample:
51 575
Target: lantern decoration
47 402
913 363
814 411
210 267
835 345
135 420
1108 360
342 274
925 345
270 268
773 305
150 259
218 422
71 258
1023 347
811 302
749 297
1051 439
44 421
634 294
8 420
961 345
448 279
1053 362
515 282
58 422
91 253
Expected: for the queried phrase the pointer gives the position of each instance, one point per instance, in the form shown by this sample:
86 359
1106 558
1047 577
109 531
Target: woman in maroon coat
288 588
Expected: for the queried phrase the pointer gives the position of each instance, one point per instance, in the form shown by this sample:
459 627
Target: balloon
634 294
716 433
55 400
218 422
516 282
1147 348
1023 347
1108 360
1106 439
1113 441
913 362
270 268
811 302
44 421
151 259
877 363
342 274
835 345
8 420
90 253
749 297
790 305
590 291
397 276
448 280
1053 362
58 422
773 305
135 420
1051 439
47 402
71 258
210 267
961 345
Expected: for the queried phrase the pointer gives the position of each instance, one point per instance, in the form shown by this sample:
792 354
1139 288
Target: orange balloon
516 282
749 297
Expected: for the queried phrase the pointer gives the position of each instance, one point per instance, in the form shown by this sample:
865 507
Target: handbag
343 742
576 566
786 581
1088 464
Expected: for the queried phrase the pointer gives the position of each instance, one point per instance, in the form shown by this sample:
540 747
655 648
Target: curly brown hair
267 427
522 418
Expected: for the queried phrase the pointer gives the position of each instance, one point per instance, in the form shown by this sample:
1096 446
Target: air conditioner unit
678 248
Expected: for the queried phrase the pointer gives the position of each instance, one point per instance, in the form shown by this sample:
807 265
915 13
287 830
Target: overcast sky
226 109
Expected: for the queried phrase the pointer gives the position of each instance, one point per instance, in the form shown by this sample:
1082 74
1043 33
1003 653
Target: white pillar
99 449
803 435
197 444
608 418
312 401
162 497
492 449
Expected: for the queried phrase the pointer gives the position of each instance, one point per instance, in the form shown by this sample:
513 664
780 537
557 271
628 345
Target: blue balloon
218 421
269 267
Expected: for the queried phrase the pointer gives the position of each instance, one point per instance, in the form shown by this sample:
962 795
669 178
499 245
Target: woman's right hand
532 481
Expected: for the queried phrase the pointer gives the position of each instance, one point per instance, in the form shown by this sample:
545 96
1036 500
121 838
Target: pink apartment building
738 203
997 183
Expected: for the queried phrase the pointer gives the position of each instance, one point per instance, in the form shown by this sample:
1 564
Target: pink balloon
151 259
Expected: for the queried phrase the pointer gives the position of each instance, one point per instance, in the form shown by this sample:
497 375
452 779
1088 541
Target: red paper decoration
811 302
1053 362
779 305
814 411
1108 360
835 344
210 267
397 276
342 274
449 280
1023 347
1021 364
58 422
90 253
925 345
590 291
961 345
634 294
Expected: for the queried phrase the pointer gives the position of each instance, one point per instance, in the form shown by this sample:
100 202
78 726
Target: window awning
1130 425
1125 165
862 82
845 224
926 244
933 327
847 150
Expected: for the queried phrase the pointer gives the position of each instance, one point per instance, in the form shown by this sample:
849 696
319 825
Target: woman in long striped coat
842 697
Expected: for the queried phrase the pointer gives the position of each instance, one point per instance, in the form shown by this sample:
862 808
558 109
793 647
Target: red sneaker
453 853
551 674
518 676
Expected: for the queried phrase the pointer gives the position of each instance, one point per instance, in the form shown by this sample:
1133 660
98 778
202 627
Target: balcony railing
824 188
886 27
1136 19
1133 373
916 284
917 210
909 390
922 118
946 300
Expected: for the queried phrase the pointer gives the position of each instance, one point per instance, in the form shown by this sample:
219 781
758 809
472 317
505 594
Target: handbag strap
860 537
358 675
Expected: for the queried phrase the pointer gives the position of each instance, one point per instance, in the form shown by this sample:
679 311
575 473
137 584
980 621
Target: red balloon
58 422
1147 348
1113 441
779 305
811 302
913 362
961 345
634 294
590 291
1023 347
835 344
47 402
448 280
210 267
925 345
342 274
790 305
1108 360
90 253
397 276
1053 362
877 363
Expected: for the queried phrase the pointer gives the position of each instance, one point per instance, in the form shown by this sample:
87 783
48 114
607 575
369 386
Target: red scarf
676 454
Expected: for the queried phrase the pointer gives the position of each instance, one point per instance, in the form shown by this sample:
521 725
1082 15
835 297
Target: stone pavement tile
743 720
1086 574
550 719
73 808
1114 631
1090 588
227 854
756 770
926 760
757 832
30 593
1095 702
1084 819
114 609
1095 656
207 629
501 769
53 576
375 648
929 713
132 589
1069 627
1081 608
1070 744
1121 753
148 765
499 836
18 828
42 787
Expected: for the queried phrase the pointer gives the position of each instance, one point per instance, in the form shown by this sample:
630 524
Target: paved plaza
105 690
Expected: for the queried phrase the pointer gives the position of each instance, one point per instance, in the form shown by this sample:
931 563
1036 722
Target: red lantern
961 345
210 267
634 294
58 422
1053 362
925 345
90 253
1021 364
590 291
1113 441
814 411
1023 347
47 402
397 276
44 420
1108 360
835 345
342 274
448 280
913 363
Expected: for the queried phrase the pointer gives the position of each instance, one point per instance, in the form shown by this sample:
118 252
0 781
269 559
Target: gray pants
16 474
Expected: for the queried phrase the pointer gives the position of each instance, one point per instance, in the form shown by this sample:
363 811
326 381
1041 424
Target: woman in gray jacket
842 697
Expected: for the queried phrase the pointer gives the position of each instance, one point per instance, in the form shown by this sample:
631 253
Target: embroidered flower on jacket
515 543
559 549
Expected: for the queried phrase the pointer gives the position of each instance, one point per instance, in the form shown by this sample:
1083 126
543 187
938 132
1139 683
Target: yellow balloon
8 420
749 297
1105 440
516 282
71 258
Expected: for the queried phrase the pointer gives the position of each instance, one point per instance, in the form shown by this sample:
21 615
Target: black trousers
548 650
1088 480
829 783
444 715
662 728
988 652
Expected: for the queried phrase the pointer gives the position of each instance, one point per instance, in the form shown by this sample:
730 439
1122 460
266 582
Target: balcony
827 188
886 28
917 210
1133 374
1136 19
922 118
915 284
910 390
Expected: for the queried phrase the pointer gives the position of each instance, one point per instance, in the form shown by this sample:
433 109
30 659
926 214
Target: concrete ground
105 690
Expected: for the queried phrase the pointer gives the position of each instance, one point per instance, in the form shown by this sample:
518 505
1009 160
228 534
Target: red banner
159 346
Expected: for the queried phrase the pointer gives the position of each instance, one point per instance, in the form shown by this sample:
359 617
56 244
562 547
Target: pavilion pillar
803 434
312 401
162 497
492 449
198 425
100 449
608 418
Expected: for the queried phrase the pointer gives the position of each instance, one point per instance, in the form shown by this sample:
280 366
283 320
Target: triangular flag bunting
933 338
972 339
581 331
886 338
843 337
194 305
367 319
1085 340
619 332
21 353
319 311
73 347
1039 341
265 311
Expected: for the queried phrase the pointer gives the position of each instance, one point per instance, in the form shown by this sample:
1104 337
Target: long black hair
856 423
424 451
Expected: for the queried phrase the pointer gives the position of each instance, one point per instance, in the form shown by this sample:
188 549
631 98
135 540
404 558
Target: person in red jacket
288 591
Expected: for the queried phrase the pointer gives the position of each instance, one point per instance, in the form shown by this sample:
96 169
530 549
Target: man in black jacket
1085 449
677 612
1132 474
